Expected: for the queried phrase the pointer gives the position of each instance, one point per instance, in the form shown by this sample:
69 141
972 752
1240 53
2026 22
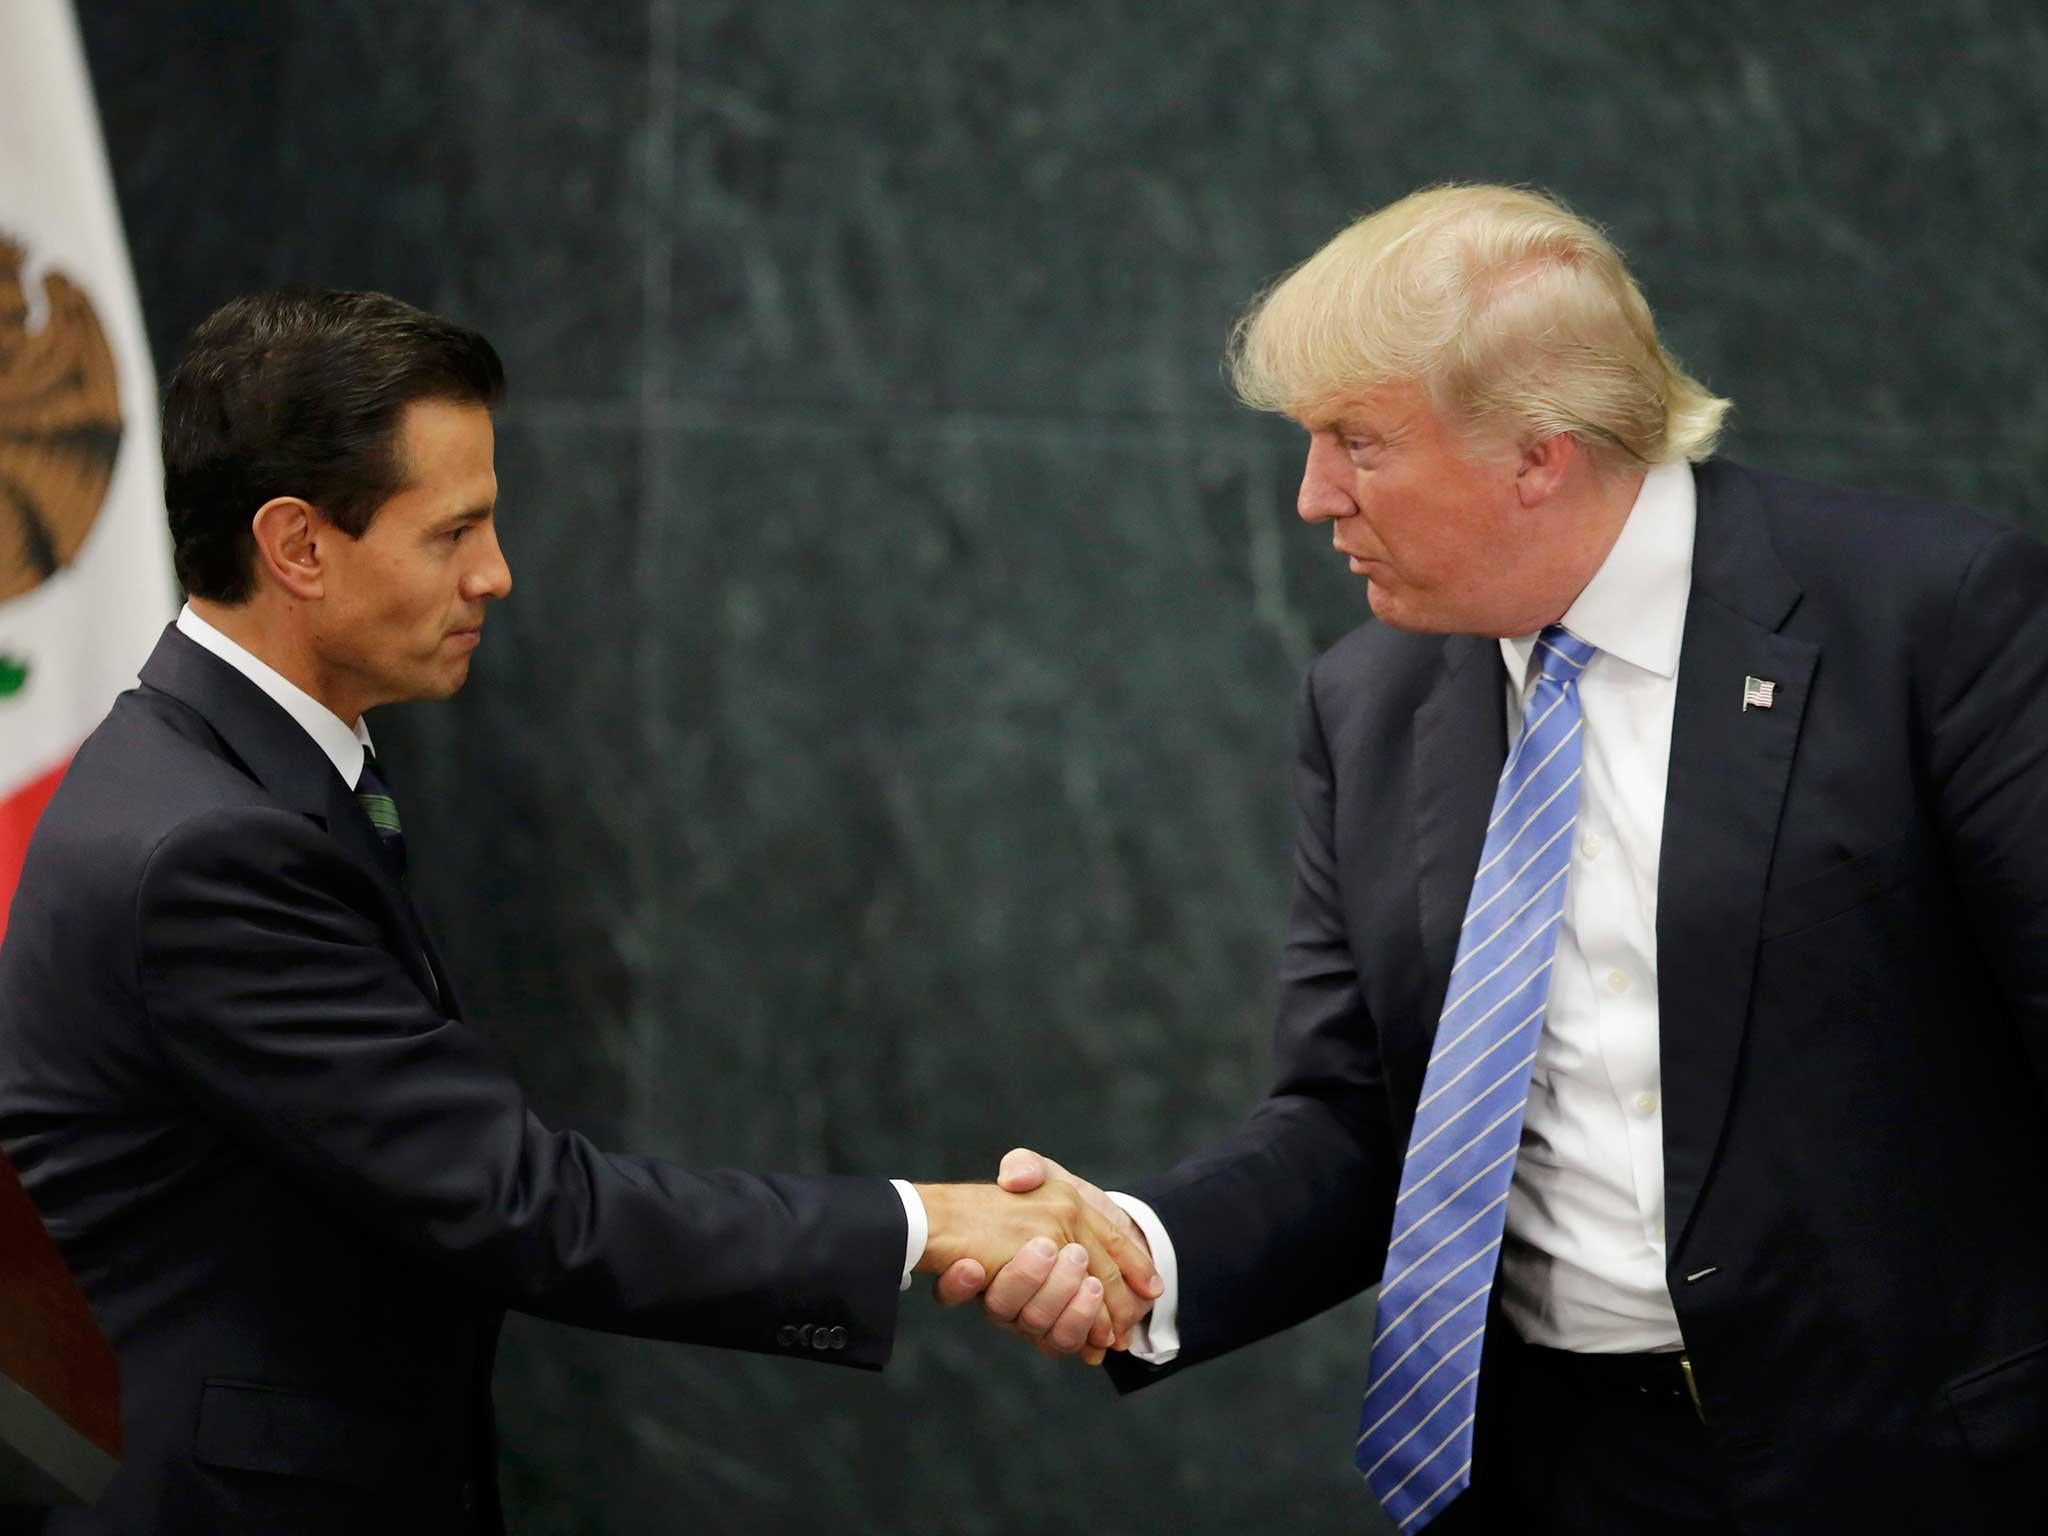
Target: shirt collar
343 745
1634 607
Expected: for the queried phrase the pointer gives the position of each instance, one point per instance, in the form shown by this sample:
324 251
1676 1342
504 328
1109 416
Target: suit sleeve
275 1004
1990 771
1289 1216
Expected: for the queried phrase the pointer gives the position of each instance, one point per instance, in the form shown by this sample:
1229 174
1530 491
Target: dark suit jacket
1852 946
299 1191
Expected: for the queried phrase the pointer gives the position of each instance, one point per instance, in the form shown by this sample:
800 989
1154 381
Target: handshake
1054 1259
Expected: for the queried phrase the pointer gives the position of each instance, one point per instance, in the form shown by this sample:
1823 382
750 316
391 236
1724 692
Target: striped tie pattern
1415 1440
374 796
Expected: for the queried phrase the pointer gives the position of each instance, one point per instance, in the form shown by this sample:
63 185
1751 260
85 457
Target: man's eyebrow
1336 421
474 514
1350 427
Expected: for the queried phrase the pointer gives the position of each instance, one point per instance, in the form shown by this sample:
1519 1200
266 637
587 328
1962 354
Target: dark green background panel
884 756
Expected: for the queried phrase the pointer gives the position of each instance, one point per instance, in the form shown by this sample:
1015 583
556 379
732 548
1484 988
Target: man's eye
455 534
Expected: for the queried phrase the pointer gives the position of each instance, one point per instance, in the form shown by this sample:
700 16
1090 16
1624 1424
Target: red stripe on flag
18 815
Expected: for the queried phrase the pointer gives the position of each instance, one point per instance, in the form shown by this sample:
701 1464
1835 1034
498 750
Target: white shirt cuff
1155 1338
920 1230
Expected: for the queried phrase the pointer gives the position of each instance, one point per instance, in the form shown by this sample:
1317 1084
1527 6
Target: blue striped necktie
1415 1440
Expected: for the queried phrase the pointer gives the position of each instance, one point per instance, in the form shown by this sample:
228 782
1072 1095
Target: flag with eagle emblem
85 576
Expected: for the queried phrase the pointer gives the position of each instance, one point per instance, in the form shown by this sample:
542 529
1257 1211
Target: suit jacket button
822 1339
786 1335
839 1338
803 1334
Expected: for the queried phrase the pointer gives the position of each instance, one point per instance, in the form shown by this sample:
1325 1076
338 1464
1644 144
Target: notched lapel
351 828
1724 795
281 757
1460 744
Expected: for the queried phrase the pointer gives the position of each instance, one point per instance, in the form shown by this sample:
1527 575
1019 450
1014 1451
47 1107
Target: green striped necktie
374 796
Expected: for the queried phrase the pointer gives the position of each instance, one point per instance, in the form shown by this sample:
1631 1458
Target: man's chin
443 683
1390 608
1401 610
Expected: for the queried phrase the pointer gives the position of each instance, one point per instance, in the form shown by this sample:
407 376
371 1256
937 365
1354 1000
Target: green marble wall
883 758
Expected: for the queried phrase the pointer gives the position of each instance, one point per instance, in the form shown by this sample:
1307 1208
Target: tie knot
374 796
1561 655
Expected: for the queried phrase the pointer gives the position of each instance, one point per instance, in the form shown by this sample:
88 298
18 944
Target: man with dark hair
297 1188
301 389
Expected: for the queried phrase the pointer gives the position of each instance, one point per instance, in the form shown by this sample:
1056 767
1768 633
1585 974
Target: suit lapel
1460 744
345 819
1724 793
444 986
287 762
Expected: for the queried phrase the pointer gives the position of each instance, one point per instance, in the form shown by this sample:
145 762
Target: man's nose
492 578
1325 482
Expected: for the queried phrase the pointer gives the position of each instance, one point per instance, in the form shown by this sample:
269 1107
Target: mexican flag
85 573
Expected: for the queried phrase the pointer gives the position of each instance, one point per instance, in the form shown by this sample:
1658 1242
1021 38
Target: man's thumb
1022 1170
963 1281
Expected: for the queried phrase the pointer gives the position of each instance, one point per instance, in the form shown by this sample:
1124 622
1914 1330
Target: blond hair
1516 315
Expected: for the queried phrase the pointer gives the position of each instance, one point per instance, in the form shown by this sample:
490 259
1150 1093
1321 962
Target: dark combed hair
298 392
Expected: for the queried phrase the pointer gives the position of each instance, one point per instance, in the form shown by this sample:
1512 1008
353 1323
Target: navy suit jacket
1852 950
298 1190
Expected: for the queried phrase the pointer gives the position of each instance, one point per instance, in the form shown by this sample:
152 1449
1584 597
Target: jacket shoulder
1862 543
1376 670
148 768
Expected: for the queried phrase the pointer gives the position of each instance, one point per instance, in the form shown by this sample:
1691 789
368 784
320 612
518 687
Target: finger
1075 1326
1103 1333
1057 1352
963 1282
1024 1170
1018 1281
1123 1244
1123 1308
1043 1310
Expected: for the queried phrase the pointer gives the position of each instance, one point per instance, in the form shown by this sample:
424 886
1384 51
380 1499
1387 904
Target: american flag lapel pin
1757 691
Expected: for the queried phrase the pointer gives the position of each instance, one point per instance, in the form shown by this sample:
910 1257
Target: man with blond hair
1664 1010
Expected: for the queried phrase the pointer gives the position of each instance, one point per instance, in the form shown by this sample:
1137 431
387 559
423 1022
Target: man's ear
287 533
1543 465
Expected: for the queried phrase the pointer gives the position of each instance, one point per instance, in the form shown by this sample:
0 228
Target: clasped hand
1054 1259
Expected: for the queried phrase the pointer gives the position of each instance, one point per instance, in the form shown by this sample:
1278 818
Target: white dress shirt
345 745
1582 1266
